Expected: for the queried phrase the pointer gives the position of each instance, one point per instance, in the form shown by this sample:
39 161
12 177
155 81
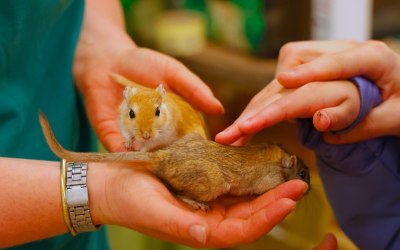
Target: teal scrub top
37 43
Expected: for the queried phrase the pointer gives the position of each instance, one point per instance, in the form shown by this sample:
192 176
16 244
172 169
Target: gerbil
198 170
150 119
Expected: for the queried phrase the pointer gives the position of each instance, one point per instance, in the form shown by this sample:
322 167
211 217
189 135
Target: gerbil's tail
86 157
124 81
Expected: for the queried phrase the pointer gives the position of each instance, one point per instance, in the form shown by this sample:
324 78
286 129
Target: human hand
136 199
108 49
372 59
276 103
103 96
333 105
304 62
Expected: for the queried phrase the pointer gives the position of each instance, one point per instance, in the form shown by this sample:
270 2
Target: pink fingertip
252 125
229 135
321 121
288 76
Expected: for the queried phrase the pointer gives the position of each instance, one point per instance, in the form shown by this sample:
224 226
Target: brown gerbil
198 170
150 119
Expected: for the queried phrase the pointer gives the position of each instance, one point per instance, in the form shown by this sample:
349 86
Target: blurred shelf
216 64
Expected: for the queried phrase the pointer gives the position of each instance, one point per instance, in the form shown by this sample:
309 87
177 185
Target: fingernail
219 105
322 121
198 233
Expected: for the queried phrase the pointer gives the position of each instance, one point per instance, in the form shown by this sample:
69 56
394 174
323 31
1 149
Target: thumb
335 118
380 121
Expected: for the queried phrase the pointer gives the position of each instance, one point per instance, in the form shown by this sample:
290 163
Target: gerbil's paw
132 145
128 145
195 204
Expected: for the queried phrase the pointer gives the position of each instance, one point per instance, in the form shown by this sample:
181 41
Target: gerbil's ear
160 89
129 92
289 161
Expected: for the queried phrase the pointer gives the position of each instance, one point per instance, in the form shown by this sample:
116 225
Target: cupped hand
92 68
138 200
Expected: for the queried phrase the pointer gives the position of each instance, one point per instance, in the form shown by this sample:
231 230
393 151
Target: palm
103 96
102 99
140 196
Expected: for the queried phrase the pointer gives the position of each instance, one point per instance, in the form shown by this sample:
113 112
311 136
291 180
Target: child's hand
371 59
333 105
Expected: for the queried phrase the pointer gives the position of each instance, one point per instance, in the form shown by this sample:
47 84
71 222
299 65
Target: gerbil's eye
158 111
132 114
302 174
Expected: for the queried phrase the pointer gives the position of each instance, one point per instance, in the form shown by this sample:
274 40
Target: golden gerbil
150 119
199 170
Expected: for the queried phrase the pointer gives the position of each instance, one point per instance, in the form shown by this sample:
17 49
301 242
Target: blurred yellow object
180 33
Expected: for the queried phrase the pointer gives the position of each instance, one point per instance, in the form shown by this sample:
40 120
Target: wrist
97 49
97 176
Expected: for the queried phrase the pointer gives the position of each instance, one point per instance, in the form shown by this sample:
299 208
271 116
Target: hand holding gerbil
185 168
138 200
103 96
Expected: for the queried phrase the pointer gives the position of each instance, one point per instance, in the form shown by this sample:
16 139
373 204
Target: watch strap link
77 198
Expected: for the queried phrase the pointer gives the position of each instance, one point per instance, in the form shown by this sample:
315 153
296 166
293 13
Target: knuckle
290 48
312 87
380 49
378 46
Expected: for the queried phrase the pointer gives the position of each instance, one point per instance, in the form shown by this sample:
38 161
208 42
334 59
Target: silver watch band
77 198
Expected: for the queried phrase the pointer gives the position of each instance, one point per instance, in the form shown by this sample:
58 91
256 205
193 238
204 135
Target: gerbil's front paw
132 145
195 204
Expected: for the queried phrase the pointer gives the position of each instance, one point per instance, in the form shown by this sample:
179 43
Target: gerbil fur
199 170
150 119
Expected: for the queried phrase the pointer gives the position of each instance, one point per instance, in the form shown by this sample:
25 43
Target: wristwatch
76 197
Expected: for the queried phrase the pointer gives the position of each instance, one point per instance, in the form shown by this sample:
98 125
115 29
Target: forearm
102 37
104 22
30 204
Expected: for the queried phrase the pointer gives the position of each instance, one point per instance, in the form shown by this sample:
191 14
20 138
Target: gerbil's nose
146 135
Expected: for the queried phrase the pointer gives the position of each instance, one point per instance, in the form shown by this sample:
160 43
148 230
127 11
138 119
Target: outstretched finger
293 190
230 135
193 89
171 72
302 103
293 54
341 65
244 231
